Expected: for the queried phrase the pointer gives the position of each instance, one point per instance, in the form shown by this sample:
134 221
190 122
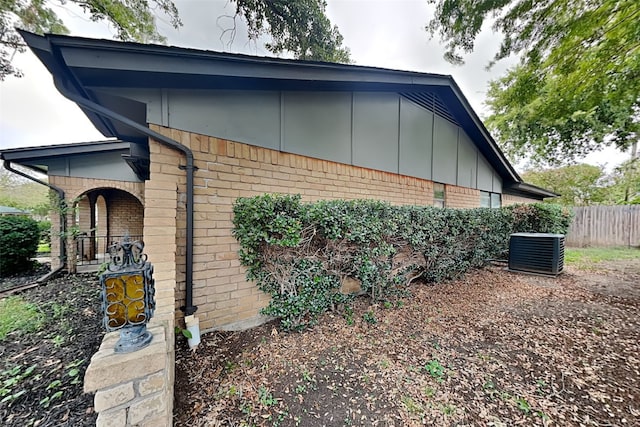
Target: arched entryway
102 217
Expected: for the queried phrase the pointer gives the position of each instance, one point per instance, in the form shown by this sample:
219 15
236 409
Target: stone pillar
132 389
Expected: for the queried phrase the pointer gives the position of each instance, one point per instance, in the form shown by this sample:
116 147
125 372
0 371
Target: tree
297 26
625 187
575 89
578 185
300 27
20 193
132 19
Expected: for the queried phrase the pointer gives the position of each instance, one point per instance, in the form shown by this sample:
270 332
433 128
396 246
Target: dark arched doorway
105 216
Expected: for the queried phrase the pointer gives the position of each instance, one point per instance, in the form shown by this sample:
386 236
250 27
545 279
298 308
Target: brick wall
228 170
461 197
125 214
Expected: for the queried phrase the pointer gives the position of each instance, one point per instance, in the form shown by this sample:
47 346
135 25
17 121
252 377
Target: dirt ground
492 349
43 371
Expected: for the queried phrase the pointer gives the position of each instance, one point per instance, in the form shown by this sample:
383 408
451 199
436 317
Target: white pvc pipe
193 326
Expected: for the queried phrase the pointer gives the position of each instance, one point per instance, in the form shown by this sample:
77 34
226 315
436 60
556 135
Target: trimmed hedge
19 237
301 253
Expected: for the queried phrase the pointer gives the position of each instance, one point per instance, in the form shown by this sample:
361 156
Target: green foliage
584 185
19 237
578 185
132 20
299 26
587 258
10 380
45 231
184 332
266 398
625 183
16 315
370 317
435 369
21 193
540 218
573 91
301 253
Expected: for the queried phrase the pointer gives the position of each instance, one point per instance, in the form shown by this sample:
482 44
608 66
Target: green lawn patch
585 258
18 315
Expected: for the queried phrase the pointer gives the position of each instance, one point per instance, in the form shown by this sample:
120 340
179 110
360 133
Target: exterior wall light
128 295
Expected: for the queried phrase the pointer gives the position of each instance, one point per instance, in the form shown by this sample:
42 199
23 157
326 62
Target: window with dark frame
490 200
438 195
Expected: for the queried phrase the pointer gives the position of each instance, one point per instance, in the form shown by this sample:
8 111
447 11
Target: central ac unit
539 253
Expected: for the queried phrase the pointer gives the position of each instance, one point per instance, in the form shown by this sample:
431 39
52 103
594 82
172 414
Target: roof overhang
523 189
84 65
41 157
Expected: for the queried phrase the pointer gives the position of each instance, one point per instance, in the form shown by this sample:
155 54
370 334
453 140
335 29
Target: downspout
188 308
63 220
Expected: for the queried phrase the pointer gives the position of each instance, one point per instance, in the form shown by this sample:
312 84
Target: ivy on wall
303 254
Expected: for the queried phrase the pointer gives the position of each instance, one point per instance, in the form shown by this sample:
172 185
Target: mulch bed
51 393
494 348
25 278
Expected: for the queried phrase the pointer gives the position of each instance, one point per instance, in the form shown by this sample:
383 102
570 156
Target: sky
380 33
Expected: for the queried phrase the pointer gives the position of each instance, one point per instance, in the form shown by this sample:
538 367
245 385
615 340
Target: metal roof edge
24 153
523 187
91 43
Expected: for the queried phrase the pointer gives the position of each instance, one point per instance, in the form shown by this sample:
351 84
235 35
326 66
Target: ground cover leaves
493 348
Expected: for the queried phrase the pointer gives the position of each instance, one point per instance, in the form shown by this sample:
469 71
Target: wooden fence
605 226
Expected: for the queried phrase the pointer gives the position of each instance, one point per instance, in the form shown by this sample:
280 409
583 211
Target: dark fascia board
47 151
179 60
91 61
36 158
529 190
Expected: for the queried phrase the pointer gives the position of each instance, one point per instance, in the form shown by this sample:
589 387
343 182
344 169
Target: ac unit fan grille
539 253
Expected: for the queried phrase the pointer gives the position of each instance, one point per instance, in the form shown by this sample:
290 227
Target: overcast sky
381 33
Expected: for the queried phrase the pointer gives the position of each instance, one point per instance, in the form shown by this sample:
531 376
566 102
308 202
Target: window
496 200
438 195
485 199
490 200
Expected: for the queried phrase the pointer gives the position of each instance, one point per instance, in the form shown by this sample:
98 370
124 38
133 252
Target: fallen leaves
493 348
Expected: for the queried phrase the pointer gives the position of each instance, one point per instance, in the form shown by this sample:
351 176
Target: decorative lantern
128 295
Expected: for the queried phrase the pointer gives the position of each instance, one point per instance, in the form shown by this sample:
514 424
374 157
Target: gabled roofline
78 60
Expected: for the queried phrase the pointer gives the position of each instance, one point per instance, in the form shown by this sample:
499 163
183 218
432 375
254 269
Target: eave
85 64
37 158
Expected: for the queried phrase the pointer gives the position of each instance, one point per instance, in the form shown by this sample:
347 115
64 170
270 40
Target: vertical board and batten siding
383 131
315 124
605 226
445 151
416 140
376 121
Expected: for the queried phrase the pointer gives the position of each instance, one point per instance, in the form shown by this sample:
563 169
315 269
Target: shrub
45 231
19 238
541 218
300 254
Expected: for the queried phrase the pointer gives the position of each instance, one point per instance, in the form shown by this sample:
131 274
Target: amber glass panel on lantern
135 298
125 300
